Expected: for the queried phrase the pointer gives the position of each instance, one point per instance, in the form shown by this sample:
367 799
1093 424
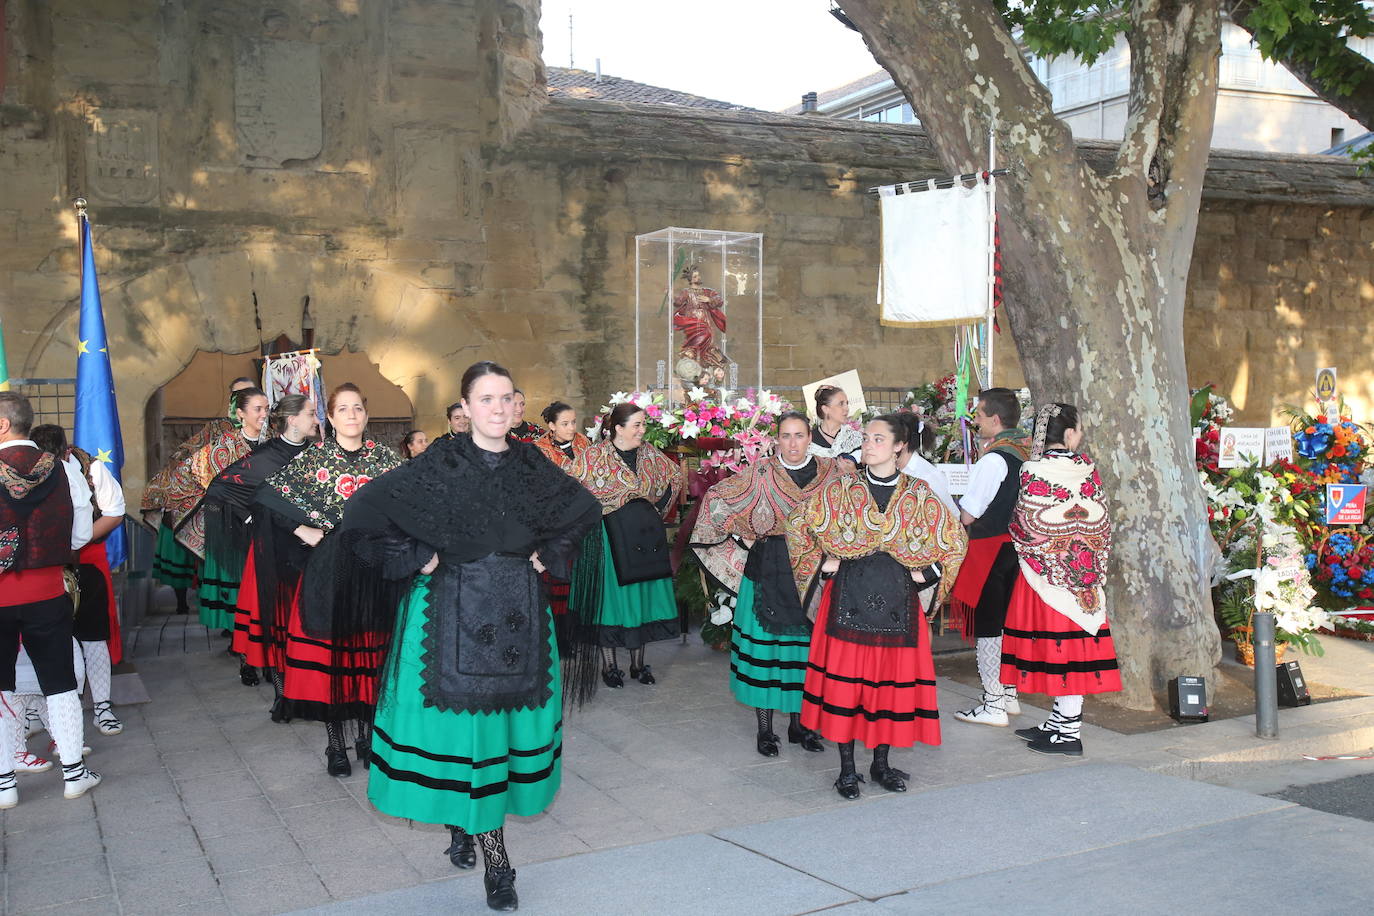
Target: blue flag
97 417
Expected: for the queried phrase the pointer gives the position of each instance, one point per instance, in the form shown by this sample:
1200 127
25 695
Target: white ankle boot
988 712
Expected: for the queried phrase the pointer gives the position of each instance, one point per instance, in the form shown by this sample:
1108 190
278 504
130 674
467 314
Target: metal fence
53 400
879 399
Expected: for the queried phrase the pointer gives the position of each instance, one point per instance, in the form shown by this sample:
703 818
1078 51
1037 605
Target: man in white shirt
97 622
41 522
982 591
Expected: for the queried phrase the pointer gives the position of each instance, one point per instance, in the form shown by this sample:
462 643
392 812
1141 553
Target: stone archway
420 338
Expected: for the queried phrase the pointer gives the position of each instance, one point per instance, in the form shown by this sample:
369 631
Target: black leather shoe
501 890
1032 733
280 711
248 675
767 743
462 852
336 762
809 740
643 675
613 677
1055 743
364 751
891 778
848 785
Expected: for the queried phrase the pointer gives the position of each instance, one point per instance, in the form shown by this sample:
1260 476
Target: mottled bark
1096 267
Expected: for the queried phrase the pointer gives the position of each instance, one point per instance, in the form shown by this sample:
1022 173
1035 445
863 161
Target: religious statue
699 313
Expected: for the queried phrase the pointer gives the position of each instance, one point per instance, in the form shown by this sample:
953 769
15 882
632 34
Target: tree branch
1355 69
960 68
1149 65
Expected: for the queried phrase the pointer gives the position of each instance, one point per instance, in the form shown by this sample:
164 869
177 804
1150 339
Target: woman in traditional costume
1058 640
739 537
563 443
238 535
414 443
223 564
174 565
521 428
327 680
622 585
458 422
879 540
832 436
468 727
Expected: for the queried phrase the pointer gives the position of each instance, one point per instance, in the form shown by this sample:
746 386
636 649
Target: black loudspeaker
1292 685
1188 699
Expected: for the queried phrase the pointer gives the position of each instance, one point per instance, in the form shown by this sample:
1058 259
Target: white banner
935 256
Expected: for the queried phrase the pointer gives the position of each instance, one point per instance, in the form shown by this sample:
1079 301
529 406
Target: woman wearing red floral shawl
328 679
1057 639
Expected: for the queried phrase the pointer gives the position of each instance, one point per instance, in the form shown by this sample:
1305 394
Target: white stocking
11 718
1068 715
97 656
989 652
64 724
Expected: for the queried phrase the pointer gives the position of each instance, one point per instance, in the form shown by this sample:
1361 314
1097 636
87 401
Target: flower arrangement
936 402
748 423
1332 449
1209 412
1343 563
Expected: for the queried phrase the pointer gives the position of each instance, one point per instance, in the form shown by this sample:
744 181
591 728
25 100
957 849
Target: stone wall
400 164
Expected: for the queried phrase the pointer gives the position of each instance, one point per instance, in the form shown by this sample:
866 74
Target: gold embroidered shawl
842 520
611 481
551 451
752 504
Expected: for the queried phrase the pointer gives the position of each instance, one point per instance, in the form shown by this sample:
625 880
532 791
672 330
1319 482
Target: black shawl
464 504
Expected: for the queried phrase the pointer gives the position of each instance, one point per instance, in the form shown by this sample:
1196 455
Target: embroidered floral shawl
1063 536
317 481
555 454
159 491
611 481
752 504
842 520
180 491
1015 441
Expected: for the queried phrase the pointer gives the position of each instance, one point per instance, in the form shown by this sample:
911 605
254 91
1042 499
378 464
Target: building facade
1260 105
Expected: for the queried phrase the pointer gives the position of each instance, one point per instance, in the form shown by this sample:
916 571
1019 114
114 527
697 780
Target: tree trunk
1096 267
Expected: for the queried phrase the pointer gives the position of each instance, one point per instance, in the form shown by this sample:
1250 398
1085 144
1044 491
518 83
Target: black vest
997 516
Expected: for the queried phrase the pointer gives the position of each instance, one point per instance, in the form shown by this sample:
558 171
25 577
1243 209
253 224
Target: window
1337 135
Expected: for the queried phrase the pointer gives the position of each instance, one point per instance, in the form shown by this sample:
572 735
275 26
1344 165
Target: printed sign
1326 384
1241 446
957 475
1278 444
1345 503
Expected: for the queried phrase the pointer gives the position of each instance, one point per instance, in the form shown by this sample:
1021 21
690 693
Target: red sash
973 575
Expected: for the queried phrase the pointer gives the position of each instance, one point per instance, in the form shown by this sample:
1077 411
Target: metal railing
53 399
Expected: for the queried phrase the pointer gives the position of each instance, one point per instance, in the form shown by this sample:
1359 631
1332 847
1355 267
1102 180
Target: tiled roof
582 84
839 92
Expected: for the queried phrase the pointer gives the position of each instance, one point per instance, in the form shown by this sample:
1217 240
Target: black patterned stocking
846 758
637 658
278 681
608 662
493 844
765 719
336 735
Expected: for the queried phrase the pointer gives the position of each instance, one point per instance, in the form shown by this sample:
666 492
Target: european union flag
97 417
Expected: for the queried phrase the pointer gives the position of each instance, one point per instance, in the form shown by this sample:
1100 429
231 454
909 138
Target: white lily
620 397
690 430
698 394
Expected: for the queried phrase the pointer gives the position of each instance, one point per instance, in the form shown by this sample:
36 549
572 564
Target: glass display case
698 311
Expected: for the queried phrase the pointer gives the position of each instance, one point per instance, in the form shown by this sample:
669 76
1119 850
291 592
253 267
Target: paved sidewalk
209 807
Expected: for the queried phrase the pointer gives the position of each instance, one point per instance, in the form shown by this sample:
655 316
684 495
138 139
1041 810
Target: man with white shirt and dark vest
45 515
982 592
